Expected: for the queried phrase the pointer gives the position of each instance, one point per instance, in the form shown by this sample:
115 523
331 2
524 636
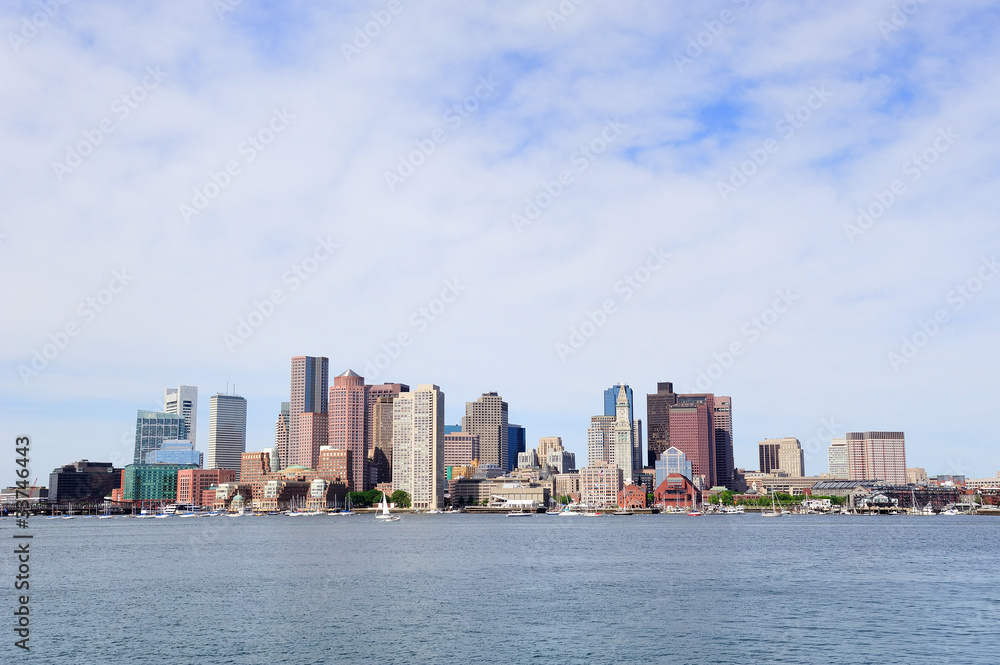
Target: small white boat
518 513
385 514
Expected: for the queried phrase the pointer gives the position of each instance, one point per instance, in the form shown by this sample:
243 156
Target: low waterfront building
980 483
228 493
151 482
192 483
632 496
282 494
676 491
83 482
915 475
10 496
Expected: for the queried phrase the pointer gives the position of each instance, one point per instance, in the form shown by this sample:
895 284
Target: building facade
151 482
227 431
175 452
877 456
152 428
307 412
600 483
623 436
722 421
281 435
379 433
460 449
487 418
183 401
516 444
672 461
83 482
418 446
837 459
784 455
192 484
348 423
658 420
692 431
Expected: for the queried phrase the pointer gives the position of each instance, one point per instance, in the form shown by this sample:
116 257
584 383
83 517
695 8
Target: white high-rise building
227 431
837 455
183 401
418 446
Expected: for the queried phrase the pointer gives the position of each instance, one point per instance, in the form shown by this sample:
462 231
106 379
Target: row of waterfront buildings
352 436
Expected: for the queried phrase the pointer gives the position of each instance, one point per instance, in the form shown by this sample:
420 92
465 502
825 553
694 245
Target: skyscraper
307 417
152 428
183 401
877 456
281 436
838 458
722 421
782 455
487 418
379 427
658 420
623 436
227 431
348 423
692 432
611 401
516 444
600 439
418 446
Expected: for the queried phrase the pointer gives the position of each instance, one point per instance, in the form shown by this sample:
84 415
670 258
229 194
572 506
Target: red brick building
632 496
676 491
191 483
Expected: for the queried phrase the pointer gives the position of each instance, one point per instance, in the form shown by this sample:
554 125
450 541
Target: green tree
400 498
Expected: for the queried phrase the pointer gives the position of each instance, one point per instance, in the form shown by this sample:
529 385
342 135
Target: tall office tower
782 455
658 420
611 401
379 427
152 428
227 431
600 439
487 418
722 420
347 416
692 432
516 444
623 436
418 446
281 437
307 427
183 401
837 456
637 444
547 444
877 456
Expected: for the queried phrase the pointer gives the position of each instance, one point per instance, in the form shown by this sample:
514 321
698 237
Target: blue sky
747 157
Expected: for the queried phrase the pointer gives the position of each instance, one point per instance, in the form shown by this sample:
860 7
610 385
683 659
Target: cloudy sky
788 203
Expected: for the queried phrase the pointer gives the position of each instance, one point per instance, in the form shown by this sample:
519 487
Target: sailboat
774 509
385 514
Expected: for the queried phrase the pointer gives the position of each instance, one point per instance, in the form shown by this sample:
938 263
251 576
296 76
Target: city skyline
791 208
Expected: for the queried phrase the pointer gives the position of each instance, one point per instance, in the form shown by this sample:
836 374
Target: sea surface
492 589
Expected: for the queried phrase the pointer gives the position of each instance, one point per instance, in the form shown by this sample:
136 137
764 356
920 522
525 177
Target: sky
784 202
